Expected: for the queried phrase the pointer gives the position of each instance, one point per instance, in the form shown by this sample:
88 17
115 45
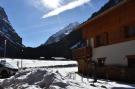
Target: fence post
81 78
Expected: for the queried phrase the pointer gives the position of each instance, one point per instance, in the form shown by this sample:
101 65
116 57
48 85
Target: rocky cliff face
13 40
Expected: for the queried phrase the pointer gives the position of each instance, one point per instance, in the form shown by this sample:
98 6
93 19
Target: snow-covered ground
54 78
37 63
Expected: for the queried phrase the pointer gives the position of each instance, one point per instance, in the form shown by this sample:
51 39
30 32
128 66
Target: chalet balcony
82 53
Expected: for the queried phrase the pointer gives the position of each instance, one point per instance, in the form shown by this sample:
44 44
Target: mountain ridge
62 33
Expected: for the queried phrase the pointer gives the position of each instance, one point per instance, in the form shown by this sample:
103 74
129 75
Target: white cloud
55 7
45 5
51 3
71 5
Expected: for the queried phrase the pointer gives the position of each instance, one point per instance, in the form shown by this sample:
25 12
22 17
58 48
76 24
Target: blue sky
36 20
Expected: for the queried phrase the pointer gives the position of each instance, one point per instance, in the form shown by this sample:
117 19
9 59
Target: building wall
113 23
117 46
115 54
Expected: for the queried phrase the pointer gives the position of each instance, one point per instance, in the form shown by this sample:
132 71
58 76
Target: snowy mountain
68 39
62 33
61 46
8 35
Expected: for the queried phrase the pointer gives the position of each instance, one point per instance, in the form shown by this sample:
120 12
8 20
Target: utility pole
22 59
5 49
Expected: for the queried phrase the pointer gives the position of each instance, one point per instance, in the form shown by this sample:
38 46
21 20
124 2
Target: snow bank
55 78
40 79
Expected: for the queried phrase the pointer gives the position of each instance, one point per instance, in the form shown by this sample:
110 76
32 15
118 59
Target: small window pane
102 39
130 31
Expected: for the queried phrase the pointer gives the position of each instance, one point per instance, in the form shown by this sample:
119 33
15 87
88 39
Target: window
130 31
102 39
101 61
131 61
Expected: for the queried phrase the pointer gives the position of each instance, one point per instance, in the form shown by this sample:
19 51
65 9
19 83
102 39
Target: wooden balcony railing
81 53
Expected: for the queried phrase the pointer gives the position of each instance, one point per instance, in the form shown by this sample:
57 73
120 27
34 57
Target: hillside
62 33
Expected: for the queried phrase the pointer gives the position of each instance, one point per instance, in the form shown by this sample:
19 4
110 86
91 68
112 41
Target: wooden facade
112 23
111 37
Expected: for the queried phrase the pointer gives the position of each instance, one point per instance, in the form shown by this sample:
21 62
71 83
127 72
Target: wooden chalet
110 43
